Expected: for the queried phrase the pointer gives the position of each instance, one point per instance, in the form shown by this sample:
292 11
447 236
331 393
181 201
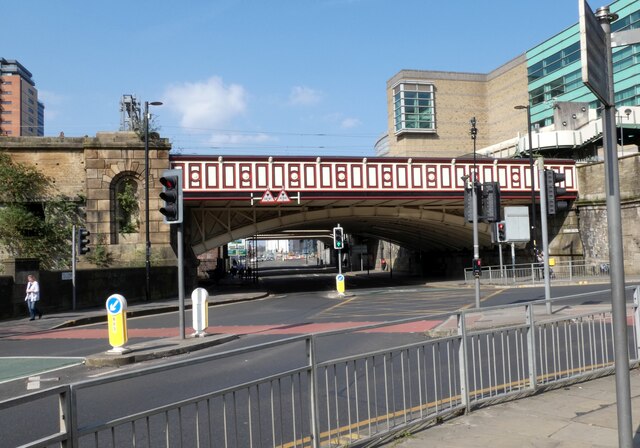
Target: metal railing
471 358
533 273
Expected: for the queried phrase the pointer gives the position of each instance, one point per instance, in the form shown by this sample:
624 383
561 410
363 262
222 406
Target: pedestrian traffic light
338 238
171 194
501 231
477 267
83 241
553 191
491 202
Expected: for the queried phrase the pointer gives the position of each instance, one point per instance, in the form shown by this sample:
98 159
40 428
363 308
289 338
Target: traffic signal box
554 205
488 201
338 238
83 241
477 267
172 209
501 231
491 202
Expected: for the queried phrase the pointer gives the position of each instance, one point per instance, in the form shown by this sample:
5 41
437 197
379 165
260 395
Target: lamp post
533 180
146 197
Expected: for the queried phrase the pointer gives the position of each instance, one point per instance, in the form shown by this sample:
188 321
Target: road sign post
597 64
199 299
117 323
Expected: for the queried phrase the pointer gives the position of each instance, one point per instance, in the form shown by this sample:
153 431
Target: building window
555 62
6 102
414 107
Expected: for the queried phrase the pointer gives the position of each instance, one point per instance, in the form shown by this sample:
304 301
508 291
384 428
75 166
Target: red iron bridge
408 201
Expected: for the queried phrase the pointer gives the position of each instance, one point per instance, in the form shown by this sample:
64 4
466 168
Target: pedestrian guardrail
471 358
533 273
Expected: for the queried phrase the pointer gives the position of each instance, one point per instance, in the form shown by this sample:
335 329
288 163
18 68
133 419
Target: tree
35 220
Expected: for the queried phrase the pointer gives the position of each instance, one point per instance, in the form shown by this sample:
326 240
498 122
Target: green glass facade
555 71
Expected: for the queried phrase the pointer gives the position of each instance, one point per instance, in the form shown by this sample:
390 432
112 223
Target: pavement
143 351
579 415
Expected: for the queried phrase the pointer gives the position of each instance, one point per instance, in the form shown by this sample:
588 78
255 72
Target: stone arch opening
124 200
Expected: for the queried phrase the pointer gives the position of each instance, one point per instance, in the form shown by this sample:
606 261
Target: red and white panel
416 176
357 175
402 176
326 176
310 180
246 176
229 176
372 176
194 175
278 171
262 175
342 176
387 176
212 177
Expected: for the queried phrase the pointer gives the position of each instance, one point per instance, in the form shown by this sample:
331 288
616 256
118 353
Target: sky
258 77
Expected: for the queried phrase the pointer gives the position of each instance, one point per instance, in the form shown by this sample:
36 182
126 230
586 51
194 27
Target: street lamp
533 181
146 196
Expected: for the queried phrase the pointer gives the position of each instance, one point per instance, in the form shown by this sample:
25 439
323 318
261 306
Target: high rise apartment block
21 114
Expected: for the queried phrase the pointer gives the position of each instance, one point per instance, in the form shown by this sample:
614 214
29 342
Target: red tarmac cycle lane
274 329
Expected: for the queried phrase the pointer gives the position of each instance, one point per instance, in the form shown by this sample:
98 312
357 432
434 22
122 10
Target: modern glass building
429 111
554 69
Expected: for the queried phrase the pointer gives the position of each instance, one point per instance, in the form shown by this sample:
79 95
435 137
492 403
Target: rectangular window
414 107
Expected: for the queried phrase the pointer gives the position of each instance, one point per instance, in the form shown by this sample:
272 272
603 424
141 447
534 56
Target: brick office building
21 114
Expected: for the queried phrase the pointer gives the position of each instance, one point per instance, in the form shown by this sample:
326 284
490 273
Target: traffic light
553 204
501 231
171 194
491 202
83 241
468 201
338 238
477 267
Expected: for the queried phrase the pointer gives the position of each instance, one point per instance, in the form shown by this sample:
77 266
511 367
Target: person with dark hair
32 297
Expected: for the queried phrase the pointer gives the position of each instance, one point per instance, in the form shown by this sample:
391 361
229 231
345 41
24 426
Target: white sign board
517 224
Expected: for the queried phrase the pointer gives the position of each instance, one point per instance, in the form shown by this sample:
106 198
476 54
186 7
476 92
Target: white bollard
200 312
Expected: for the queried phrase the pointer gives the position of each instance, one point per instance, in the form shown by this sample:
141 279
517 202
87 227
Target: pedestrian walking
32 297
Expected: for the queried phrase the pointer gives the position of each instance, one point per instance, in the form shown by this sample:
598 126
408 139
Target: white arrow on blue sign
114 305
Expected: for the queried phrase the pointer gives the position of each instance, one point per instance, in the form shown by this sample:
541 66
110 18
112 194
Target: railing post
312 371
636 318
462 361
531 341
67 403
570 270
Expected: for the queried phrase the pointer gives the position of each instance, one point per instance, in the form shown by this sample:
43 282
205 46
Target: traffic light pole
181 279
73 268
474 199
545 234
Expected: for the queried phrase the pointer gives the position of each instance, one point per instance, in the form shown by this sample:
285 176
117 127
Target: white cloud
350 123
207 104
304 96
239 139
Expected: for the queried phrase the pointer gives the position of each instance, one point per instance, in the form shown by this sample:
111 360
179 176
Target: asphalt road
287 312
